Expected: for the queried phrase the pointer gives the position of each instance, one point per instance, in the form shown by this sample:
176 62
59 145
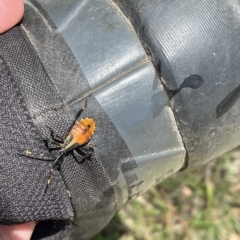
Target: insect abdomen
83 130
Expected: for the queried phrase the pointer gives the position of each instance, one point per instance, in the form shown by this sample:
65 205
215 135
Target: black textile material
195 37
23 196
55 203
23 179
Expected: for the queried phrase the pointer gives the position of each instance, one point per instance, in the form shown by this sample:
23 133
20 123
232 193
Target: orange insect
80 134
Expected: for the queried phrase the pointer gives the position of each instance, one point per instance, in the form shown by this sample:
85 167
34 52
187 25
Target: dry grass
203 204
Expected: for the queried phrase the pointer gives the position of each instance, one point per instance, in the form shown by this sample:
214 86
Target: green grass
202 204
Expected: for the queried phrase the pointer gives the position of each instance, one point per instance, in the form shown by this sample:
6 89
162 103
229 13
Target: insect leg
81 158
47 143
58 160
80 111
55 137
77 116
89 150
90 147
56 164
56 140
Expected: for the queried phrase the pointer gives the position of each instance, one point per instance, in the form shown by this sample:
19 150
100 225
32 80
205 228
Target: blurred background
196 204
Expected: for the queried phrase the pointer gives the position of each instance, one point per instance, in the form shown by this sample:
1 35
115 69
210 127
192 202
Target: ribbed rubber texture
195 38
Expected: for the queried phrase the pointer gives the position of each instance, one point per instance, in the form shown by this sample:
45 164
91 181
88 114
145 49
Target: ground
190 205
